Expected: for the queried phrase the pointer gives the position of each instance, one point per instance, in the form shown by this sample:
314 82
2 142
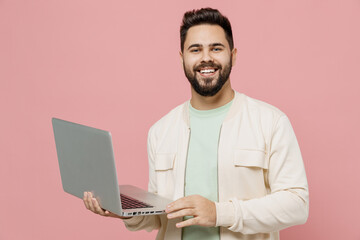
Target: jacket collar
234 109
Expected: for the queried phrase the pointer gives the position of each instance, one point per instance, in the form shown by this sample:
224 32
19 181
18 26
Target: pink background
115 65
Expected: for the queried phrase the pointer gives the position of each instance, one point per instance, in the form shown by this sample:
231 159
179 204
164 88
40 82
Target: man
231 163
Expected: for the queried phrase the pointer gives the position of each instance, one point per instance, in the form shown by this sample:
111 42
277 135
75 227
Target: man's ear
233 56
181 58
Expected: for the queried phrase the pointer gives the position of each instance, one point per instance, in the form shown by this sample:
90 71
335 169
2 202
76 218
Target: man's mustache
204 65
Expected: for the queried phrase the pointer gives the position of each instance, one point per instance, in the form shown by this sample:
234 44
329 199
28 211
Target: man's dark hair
205 16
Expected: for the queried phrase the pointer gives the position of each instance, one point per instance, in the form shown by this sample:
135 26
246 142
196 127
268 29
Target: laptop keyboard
130 203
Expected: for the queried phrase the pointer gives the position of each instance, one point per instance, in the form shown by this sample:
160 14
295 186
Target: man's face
207 58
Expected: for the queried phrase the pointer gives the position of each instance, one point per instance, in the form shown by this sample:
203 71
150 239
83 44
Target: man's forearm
147 223
270 213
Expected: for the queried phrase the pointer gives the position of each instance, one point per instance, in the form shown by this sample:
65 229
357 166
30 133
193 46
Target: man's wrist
225 214
132 221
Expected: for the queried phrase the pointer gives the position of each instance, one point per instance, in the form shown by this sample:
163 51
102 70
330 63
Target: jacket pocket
164 170
250 158
251 166
164 161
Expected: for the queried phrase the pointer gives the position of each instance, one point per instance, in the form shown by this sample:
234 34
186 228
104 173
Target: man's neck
224 96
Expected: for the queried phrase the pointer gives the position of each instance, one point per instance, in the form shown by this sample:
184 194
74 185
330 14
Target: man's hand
203 210
93 205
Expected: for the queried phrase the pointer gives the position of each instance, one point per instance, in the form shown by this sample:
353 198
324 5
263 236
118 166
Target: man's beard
208 89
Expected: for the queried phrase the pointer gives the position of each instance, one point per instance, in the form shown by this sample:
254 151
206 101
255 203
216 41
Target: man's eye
194 50
216 49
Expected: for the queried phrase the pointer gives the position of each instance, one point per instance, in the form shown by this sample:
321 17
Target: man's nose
206 56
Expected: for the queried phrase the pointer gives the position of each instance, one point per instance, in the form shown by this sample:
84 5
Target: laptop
86 162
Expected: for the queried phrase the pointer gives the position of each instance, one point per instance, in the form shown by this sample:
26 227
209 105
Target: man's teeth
207 70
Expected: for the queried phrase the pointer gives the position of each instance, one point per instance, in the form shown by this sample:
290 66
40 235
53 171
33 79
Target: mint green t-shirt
201 176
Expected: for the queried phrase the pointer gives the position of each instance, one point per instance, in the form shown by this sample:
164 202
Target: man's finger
97 207
89 199
182 203
189 222
85 200
182 213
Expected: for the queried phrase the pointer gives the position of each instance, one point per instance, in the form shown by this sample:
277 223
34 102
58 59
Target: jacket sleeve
152 222
288 202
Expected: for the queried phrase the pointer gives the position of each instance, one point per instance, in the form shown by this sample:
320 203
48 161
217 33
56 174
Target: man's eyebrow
211 45
217 44
194 45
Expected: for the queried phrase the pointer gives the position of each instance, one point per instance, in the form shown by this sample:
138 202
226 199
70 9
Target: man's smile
207 71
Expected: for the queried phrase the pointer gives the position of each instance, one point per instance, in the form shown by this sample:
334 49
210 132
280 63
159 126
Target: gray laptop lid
86 162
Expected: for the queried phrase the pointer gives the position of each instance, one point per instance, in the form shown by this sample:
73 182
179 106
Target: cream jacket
261 177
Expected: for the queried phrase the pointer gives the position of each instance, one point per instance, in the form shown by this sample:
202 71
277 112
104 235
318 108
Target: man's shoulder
262 116
261 107
171 118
